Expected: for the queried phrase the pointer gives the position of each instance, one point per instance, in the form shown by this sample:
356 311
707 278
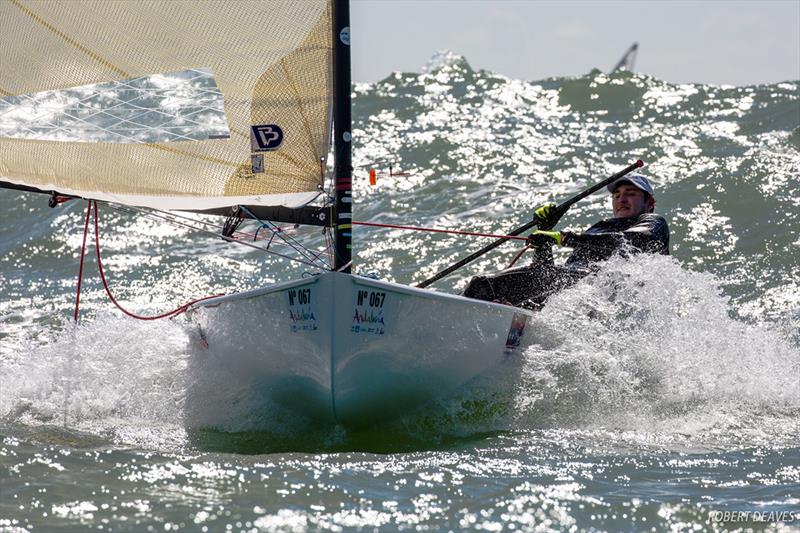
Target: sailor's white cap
637 180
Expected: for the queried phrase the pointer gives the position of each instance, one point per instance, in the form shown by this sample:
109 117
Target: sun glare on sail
176 106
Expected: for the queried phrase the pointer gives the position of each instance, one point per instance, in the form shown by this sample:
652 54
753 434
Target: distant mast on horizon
627 61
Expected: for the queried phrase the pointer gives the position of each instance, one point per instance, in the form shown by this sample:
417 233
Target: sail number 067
372 298
299 297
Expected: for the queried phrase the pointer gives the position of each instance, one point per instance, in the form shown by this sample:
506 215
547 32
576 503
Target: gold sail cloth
270 60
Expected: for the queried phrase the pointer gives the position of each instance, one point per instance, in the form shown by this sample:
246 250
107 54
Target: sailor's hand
544 238
546 216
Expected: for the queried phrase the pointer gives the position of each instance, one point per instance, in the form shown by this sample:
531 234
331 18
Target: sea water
661 394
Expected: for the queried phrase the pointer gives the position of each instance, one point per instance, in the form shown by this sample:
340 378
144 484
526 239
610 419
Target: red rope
456 232
516 257
174 312
83 255
58 200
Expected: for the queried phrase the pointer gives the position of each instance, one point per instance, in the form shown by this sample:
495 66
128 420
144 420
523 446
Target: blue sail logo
265 137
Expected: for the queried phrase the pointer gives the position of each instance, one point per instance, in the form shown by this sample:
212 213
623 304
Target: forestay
172 105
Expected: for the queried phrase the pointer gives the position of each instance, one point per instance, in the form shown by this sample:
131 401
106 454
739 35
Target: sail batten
155 103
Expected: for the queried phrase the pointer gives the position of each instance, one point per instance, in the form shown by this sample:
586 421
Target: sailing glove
544 238
546 216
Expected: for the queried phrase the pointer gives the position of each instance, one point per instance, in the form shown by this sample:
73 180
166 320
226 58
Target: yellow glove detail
543 213
540 238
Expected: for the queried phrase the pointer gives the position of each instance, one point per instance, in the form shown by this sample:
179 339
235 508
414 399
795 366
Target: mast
342 146
628 59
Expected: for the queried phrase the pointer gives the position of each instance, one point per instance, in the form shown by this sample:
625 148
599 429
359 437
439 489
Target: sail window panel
176 106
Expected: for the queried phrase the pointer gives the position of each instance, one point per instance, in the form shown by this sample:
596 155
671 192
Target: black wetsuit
531 285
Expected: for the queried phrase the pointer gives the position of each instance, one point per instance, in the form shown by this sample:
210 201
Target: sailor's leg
550 280
511 286
480 288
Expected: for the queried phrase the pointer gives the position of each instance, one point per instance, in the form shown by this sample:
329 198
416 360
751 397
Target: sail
172 104
628 60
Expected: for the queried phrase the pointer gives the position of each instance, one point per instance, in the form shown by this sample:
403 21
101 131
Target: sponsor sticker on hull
517 329
302 314
368 317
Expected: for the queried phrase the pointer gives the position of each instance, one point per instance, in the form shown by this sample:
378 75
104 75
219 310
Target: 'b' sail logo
265 137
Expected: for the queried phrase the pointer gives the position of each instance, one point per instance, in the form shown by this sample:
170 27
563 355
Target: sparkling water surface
658 393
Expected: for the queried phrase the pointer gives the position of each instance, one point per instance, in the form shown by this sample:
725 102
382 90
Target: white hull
354 350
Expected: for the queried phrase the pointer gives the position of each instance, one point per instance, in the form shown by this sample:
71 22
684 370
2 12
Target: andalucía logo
302 320
368 322
365 318
301 316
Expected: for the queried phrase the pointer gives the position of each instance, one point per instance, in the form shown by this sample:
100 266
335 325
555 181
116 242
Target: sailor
634 228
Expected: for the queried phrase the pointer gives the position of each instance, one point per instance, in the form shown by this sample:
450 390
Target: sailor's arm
648 235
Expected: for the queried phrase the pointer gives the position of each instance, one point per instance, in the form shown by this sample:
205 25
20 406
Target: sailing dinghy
223 107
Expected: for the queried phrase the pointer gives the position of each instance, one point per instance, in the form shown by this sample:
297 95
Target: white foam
442 58
647 344
112 373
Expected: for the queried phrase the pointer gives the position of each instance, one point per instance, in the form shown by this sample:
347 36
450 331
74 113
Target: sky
723 42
